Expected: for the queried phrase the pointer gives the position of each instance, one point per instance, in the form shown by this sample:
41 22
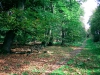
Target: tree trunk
50 31
63 36
8 40
50 41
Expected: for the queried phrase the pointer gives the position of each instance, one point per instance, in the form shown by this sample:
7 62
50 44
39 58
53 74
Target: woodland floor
42 63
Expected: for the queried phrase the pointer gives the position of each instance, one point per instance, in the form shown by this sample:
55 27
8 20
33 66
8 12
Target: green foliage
69 18
77 44
25 73
42 19
85 63
95 24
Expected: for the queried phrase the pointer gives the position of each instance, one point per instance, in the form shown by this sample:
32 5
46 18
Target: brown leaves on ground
41 63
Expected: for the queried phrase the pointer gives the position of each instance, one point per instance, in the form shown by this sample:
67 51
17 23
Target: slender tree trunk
50 31
63 36
6 48
50 40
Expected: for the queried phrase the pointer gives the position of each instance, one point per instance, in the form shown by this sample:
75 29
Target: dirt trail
18 63
72 54
78 49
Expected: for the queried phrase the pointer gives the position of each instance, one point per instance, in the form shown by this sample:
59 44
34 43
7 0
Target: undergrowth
85 63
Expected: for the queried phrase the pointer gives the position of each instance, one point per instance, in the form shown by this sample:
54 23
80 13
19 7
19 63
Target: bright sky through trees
89 6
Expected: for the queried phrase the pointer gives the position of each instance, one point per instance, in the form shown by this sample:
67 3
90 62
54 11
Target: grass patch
25 73
85 63
77 44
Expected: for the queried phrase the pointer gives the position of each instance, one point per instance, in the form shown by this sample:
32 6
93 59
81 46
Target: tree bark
50 31
63 37
6 48
8 40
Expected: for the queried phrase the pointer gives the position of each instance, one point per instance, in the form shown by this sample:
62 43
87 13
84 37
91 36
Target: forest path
38 63
76 50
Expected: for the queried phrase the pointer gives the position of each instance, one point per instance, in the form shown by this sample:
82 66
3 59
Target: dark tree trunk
50 41
8 40
63 36
43 43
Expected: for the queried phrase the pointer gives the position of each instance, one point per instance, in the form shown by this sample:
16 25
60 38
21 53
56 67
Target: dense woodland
95 25
54 29
46 21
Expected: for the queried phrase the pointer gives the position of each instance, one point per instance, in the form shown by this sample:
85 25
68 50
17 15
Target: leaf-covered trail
37 63
78 49
71 54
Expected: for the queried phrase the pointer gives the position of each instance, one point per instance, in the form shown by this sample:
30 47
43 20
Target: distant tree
95 24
